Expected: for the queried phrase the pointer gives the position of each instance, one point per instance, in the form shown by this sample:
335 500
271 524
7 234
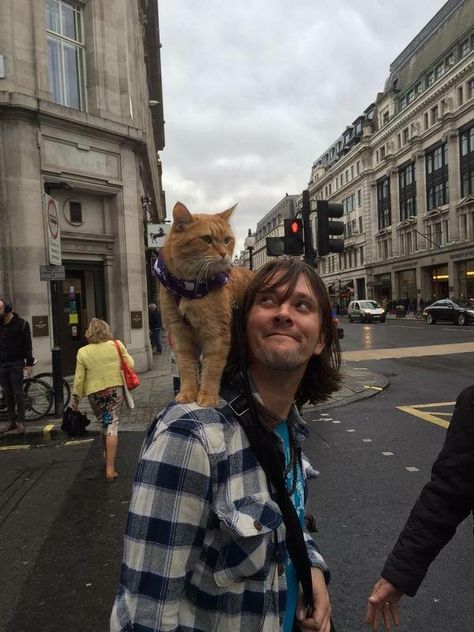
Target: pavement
156 391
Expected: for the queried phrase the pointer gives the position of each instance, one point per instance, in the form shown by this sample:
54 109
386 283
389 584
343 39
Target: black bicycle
48 378
38 397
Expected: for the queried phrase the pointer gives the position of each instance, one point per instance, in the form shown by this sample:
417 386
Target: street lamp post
249 244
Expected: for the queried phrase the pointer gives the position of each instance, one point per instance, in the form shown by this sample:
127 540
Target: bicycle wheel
38 398
48 378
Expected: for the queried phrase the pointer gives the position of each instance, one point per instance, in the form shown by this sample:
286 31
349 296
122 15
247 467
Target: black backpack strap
264 444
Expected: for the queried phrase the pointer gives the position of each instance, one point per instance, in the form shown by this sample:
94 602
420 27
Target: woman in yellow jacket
98 376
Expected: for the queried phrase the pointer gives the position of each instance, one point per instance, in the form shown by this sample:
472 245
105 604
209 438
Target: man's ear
181 217
319 348
227 214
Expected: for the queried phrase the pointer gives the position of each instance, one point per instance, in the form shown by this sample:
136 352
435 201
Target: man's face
284 334
2 311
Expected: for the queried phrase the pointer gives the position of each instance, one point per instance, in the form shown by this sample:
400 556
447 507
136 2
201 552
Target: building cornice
403 118
16 106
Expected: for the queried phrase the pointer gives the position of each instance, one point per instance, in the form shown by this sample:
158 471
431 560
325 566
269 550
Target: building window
460 96
470 88
383 203
439 70
65 53
358 167
464 47
434 115
430 79
437 191
407 187
74 213
359 198
361 225
466 148
382 153
406 135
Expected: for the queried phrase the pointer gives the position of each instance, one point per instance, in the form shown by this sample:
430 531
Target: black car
447 310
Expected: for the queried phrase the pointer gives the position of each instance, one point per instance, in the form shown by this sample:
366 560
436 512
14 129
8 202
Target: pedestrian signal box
294 239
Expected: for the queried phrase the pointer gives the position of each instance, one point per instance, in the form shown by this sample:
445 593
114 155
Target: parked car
366 311
459 312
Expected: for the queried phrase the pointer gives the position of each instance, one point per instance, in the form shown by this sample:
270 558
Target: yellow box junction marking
433 416
48 428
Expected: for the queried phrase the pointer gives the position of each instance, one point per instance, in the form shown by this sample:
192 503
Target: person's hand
27 371
383 605
320 618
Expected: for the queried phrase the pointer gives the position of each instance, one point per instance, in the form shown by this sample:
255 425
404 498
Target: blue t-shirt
298 501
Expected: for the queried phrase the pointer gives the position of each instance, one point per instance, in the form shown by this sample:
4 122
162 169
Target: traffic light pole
309 254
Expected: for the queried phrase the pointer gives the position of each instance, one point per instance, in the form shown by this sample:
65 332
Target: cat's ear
227 214
181 217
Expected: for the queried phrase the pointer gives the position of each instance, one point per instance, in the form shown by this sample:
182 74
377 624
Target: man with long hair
215 535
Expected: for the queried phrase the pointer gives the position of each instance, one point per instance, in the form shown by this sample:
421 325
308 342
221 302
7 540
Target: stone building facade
81 122
404 171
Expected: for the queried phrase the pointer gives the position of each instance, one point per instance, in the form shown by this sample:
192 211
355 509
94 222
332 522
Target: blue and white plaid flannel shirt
204 547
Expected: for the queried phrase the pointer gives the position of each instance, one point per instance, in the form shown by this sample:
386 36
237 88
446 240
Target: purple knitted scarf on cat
187 289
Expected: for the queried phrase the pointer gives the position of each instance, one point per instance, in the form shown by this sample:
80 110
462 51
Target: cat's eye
227 240
206 239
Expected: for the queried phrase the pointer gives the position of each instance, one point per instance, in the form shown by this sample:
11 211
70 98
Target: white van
365 311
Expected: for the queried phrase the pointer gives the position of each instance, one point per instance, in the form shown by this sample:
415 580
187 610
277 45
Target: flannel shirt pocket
248 526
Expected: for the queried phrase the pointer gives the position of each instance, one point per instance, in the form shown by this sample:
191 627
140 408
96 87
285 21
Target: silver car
366 311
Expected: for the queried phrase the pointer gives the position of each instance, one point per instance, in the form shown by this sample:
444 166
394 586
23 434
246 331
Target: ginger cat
199 287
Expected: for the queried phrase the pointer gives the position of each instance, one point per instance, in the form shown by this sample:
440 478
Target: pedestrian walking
99 377
442 505
154 319
16 361
217 489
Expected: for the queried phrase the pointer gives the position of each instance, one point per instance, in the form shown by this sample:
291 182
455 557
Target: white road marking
367 440
335 421
324 414
411 468
350 429
388 453
409 352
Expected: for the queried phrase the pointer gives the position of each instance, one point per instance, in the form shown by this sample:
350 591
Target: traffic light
294 240
327 227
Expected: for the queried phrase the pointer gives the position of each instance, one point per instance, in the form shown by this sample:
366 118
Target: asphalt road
61 524
364 496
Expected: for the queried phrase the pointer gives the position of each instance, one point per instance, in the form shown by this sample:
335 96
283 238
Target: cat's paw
186 396
207 400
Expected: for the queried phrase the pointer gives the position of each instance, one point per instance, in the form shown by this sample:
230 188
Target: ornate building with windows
404 171
81 122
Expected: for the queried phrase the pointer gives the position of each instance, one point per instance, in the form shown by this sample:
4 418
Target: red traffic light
295 226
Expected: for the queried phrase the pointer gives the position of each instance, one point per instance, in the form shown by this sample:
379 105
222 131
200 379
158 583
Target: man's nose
283 314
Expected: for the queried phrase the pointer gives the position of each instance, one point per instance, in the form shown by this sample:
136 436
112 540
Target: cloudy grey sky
255 90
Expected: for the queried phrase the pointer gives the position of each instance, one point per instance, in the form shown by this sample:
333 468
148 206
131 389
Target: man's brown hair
322 376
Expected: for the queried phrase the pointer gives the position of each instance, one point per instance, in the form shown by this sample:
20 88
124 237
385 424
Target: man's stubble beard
279 360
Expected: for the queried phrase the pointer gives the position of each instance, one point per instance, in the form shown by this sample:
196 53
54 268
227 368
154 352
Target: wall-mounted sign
53 231
40 326
156 234
52 273
136 320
